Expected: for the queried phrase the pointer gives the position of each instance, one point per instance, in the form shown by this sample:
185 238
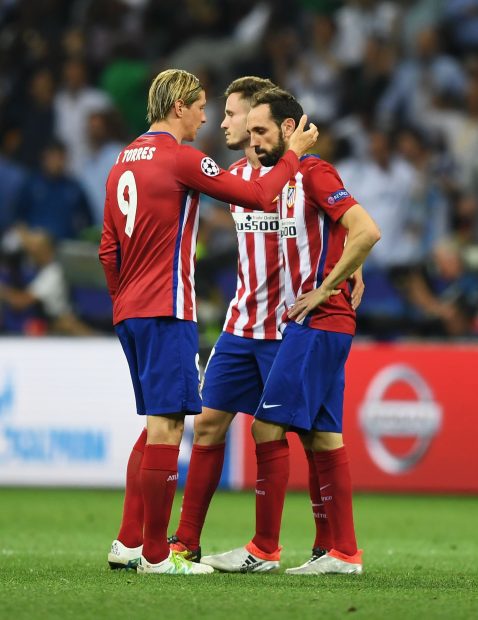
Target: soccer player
148 254
326 236
242 357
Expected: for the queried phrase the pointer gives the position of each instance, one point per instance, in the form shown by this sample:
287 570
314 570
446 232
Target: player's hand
358 288
308 301
301 141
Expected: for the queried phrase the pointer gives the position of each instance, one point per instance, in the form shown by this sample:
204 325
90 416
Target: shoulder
240 163
313 166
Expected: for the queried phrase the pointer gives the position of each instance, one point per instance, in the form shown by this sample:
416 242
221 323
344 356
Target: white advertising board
67 412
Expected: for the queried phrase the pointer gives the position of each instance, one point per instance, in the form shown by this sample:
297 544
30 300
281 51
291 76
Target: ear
178 108
288 127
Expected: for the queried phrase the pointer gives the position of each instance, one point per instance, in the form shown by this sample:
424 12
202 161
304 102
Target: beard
270 158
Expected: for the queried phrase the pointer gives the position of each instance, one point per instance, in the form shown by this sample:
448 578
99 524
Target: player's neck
169 127
251 156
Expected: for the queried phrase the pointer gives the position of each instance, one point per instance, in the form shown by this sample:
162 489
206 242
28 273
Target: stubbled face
193 117
235 122
266 137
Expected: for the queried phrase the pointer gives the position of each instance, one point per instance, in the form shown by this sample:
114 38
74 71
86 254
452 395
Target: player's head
238 104
177 94
274 115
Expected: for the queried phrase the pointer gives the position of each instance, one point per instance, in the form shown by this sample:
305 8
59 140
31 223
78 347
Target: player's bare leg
262 554
205 468
332 467
159 475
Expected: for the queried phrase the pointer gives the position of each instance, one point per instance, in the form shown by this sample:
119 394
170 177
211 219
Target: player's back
152 218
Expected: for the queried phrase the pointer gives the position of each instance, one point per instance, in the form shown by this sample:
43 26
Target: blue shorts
305 388
236 372
163 360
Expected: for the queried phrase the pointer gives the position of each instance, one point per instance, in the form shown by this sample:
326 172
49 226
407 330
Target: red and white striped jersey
313 240
150 223
258 305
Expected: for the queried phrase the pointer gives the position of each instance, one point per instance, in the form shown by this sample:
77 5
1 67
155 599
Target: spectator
460 131
37 117
53 200
105 138
47 293
12 177
421 79
431 209
73 104
384 182
315 75
360 19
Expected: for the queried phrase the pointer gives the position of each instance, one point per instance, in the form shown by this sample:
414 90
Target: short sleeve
323 185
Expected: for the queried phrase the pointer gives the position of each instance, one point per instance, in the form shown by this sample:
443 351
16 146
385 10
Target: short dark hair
248 86
282 104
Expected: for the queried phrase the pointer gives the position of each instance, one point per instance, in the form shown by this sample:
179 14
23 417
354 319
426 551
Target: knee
165 430
265 431
322 441
210 430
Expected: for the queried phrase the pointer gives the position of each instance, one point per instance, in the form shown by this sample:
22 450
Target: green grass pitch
421 561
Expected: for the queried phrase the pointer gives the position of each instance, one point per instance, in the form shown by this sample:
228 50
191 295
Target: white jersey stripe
257 307
191 262
180 289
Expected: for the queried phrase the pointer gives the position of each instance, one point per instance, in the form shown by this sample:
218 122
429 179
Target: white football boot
248 559
121 556
174 564
332 562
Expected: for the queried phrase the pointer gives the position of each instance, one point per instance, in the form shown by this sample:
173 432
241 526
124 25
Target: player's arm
324 185
108 252
363 234
198 171
358 287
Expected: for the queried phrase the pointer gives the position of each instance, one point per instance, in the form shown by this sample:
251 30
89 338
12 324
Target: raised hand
301 141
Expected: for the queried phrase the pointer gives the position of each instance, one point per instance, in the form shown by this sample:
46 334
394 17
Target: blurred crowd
392 85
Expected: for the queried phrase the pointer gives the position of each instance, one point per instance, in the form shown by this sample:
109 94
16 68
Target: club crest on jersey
209 167
291 192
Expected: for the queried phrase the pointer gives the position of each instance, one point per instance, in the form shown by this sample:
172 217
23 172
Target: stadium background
393 87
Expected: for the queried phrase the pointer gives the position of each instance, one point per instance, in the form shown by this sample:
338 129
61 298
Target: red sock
272 476
204 473
336 494
323 535
159 478
131 529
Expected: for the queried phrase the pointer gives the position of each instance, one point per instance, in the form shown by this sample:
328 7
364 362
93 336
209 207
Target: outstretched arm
198 171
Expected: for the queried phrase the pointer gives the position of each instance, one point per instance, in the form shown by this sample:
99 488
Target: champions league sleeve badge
209 167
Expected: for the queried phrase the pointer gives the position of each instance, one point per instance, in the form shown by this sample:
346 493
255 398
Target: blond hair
168 87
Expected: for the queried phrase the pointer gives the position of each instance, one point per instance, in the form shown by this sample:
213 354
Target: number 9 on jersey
127 196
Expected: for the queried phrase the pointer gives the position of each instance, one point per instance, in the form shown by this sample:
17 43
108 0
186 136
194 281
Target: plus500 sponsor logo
45 445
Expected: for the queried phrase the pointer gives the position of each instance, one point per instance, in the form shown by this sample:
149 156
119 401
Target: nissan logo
379 418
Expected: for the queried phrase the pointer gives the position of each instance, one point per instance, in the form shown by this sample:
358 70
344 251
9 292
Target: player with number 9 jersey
151 221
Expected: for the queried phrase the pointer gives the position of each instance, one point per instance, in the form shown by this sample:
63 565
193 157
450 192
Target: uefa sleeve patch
340 194
209 167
